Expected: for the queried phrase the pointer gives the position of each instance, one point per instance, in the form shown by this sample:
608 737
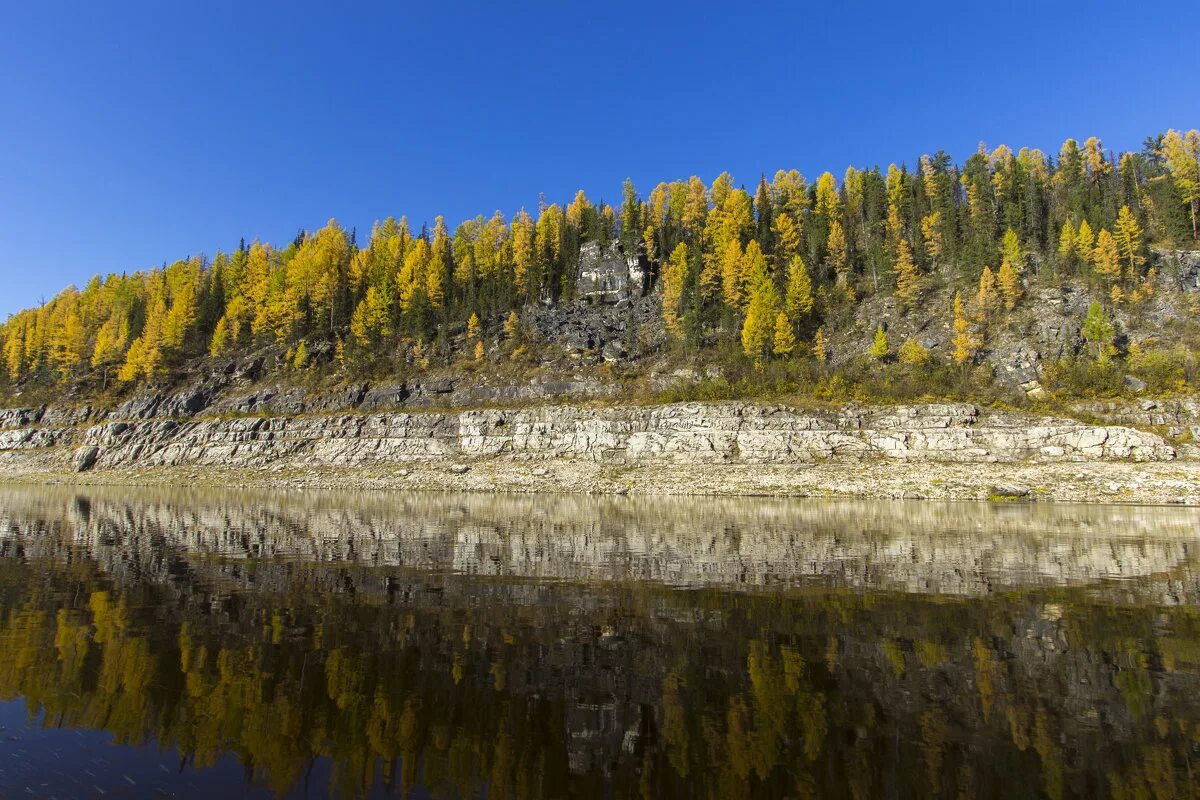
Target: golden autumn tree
1011 251
987 299
144 359
837 256
931 234
673 278
798 296
371 322
440 265
68 342
1182 153
179 319
111 340
879 347
787 239
1129 240
753 270
784 340
759 326
317 273
524 268
908 278
965 342
828 204
1106 258
820 347
1085 241
1010 284
1067 247
731 274
912 353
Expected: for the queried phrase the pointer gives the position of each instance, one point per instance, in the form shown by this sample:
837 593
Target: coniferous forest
764 276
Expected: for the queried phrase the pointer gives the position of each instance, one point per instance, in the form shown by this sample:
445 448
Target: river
193 643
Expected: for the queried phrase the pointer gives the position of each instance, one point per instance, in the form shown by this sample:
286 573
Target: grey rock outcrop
681 434
85 458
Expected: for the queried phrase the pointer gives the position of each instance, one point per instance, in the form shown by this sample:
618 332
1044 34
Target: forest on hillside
766 272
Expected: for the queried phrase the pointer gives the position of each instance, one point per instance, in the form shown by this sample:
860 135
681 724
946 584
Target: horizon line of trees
769 267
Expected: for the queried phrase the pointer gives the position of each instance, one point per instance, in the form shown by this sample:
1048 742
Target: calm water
197 644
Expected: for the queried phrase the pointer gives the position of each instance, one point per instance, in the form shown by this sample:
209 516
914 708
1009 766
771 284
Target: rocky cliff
938 450
690 433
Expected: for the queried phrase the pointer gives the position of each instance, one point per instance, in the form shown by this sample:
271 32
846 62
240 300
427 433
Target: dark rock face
583 329
391 395
189 401
142 406
65 416
20 417
1180 266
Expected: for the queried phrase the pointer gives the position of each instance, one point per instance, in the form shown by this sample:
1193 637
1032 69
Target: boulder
85 458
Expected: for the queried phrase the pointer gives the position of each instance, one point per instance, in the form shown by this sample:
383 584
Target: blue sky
134 133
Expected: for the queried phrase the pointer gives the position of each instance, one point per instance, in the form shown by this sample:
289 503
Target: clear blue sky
133 133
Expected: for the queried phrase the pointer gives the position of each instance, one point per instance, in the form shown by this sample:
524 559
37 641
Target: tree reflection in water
544 681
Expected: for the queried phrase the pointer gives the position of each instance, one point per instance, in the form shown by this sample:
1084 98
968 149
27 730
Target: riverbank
1095 482
936 450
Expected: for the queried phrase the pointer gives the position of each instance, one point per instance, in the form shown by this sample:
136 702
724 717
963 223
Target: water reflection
575 647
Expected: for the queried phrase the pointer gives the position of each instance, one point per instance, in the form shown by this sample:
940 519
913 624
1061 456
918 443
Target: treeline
769 267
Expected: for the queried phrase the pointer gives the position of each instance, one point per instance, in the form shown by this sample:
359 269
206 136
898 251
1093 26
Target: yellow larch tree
754 270
1011 251
180 318
798 296
820 347
524 272
1182 153
411 277
829 204
673 278
987 299
1129 240
144 358
836 255
784 342
220 342
1010 284
69 343
1067 244
931 234
441 265
965 342
731 274
371 322
1106 258
1085 241
111 341
787 240
908 278
758 327
879 347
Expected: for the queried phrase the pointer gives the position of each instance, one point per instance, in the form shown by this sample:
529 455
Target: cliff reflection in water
555 647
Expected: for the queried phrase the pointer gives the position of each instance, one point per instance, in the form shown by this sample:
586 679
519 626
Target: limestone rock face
686 433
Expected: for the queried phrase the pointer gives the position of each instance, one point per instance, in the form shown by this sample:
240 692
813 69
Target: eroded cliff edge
931 450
